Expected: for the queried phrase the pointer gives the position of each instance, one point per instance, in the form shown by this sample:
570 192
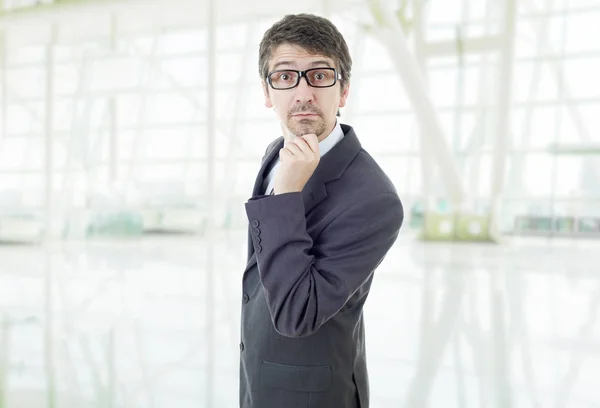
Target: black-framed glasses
315 77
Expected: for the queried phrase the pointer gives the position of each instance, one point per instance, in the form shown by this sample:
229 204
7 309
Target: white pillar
48 133
502 396
3 87
426 162
503 116
210 198
48 325
4 358
112 111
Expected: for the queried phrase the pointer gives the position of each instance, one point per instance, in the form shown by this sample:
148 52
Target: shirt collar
330 141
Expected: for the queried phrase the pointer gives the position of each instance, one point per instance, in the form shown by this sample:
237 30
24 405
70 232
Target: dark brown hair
315 34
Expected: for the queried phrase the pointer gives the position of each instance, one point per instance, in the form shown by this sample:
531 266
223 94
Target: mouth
305 115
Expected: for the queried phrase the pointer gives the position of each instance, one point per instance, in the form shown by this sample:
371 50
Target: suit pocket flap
296 378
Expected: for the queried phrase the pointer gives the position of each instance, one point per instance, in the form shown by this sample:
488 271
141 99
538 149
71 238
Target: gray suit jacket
311 259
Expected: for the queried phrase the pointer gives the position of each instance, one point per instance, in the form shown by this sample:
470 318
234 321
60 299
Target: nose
304 92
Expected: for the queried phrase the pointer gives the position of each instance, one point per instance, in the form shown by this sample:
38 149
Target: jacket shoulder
369 176
272 145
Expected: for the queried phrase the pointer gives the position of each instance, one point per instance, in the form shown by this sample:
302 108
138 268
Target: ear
344 95
268 102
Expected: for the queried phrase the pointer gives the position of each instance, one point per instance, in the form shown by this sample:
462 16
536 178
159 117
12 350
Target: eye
320 76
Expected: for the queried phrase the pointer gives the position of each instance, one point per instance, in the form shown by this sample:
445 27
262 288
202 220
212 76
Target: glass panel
537 175
254 137
385 133
534 82
375 57
379 93
539 132
590 119
583 31
120 73
582 77
445 11
170 108
180 73
442 86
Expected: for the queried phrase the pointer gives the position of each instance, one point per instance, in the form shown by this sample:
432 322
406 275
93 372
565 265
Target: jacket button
257 240
255 223
241 346
246 298
256 232
258 248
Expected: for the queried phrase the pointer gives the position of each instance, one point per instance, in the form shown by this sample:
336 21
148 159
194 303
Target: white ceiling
92 17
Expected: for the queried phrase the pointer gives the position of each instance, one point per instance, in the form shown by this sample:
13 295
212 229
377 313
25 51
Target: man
322 217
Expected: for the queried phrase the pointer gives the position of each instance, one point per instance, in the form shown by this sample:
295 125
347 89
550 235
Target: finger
295 149
309 143
303 146
285 153
312 141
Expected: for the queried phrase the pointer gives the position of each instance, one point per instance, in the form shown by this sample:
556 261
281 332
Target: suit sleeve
306 283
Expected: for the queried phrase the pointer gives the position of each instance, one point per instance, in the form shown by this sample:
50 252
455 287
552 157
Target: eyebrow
312 64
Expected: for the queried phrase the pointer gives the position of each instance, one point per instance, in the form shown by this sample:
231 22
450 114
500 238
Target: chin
307 126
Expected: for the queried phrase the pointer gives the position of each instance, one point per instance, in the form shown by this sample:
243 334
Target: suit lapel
270 155
331 167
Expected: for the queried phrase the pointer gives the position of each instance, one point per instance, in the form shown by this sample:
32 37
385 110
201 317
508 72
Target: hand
299 158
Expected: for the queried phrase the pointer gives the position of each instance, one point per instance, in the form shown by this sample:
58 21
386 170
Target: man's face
304 109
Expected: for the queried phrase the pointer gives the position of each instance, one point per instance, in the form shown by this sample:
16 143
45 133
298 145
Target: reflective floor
144 323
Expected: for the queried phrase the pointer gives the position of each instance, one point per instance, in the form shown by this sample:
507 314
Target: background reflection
131 133
124 324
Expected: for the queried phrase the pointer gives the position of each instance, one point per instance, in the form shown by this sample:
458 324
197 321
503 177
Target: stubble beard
307 126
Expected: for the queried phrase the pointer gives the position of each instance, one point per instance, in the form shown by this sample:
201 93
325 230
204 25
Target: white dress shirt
325 145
